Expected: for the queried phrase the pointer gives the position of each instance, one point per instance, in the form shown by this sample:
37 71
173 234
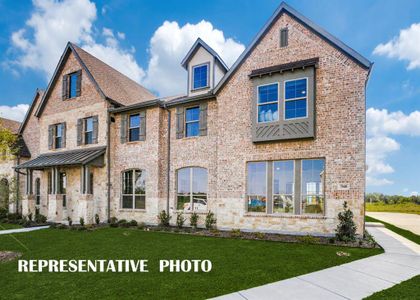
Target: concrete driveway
406 221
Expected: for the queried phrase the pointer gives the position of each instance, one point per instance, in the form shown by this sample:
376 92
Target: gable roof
38 95
200 43
110 83
11 125
284 8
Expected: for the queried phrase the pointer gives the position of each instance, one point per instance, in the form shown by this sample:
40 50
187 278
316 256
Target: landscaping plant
82 222
210 220
194 220
164 218
97 219
346 229
70 221
180 220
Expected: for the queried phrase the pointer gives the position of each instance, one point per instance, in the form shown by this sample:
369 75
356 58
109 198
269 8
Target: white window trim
134 194
207 64
293 194
272 102
293 99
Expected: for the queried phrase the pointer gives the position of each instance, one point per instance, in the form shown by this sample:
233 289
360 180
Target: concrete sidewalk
354 280
409 222
19 230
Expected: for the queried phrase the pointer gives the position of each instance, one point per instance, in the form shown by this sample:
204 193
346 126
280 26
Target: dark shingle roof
64 158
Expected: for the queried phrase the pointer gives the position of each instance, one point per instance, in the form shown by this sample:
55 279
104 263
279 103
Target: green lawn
237 264
4 226
409 208
409 289
405 233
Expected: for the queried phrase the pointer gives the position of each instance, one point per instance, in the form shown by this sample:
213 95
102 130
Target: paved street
406 221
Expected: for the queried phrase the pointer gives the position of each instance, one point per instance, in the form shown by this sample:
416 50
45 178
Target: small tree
164 218
8 143
346 229
210 220
194 220
180 220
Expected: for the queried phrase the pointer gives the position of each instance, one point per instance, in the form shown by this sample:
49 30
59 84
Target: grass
405 290
405 233
4 226
237 264
409 208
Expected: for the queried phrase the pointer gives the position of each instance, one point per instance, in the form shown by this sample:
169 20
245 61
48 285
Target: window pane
89 124
192 114
283 177
127 202
73 84
257 182
283 204
257 203
140 202
199 202
199 181
183 181
313 176
183 202
200 77
128 182
140 181
295 109
88 137
59 130
295 88
134 121
192 129
268 93
268 112
134 134
57 142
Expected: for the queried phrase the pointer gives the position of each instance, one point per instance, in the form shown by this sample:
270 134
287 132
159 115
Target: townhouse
274 143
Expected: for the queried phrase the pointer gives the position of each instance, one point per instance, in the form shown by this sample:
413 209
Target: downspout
168 166
108 166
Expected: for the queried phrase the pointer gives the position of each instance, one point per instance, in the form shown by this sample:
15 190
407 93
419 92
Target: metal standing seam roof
64 158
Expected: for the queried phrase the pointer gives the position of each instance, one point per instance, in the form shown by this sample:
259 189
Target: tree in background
8 143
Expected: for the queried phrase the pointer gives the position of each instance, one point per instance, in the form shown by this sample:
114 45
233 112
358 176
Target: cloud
16 113
380 125
171 42
405 46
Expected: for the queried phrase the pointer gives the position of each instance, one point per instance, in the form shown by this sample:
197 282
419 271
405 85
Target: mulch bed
6 256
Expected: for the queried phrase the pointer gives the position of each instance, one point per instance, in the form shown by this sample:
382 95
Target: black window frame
70 76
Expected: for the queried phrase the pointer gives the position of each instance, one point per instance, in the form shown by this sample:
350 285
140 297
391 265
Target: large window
283 186
58 136
134 189
295 99
73 85
192 189
268 103
200 76
313 177
257 186
192 121
88 130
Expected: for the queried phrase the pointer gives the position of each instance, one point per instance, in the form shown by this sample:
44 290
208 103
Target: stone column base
55 208
85 208
28 205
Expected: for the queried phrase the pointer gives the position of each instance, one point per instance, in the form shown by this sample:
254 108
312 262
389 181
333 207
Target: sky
146 40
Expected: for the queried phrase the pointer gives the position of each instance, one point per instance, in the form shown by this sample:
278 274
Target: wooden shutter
50 137
65 88
284 37
63 137
123 129
79 83
142 134
203 118
95 130
180 111
79 132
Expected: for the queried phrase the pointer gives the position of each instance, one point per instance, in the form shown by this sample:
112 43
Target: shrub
210 220
346 229
122 221
14 217
97 219
260 235
235 233
164 218
308 239
113 222
40 219
141 225
194 220
82 222
30 217
3 213
61 226
70 221
180 220
133 223
26 223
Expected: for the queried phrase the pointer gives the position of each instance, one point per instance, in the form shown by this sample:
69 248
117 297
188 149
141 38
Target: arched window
133 189
192 189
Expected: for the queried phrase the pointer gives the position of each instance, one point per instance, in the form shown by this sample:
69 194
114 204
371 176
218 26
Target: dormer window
200 76
72 85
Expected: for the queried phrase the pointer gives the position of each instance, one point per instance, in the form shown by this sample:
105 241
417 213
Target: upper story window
200 76
73 85
192 189
134 189
295 99
89 130
192 121
268 103
134 128
58 135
